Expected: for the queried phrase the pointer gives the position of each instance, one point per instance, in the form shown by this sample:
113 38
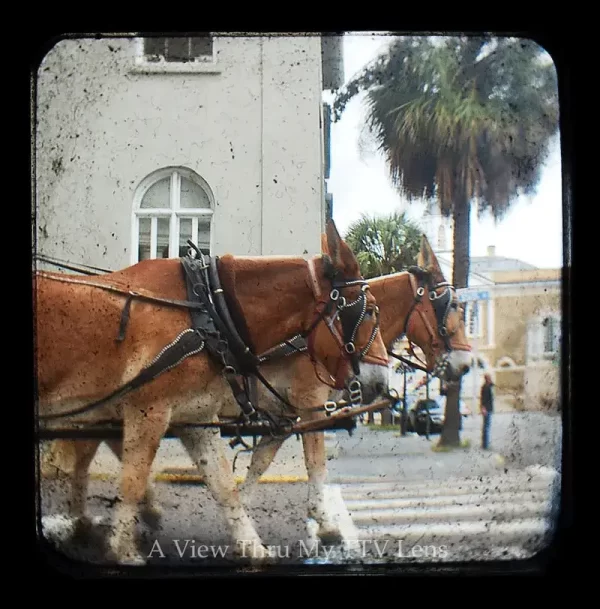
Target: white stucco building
142 144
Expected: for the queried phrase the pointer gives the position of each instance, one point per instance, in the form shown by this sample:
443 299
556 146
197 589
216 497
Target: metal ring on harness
354 389
330 406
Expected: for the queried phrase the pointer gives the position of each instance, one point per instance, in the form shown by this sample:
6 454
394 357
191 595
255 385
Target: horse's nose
380 388
465 368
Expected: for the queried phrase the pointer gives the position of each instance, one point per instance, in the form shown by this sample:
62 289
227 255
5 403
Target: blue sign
470 294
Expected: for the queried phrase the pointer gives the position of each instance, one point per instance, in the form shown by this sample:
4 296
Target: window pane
185 233
162 238
202 46
154 48
144 239
204 236
193 196
201 238
178 49
158 195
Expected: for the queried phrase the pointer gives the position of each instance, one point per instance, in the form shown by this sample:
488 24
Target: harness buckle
350 348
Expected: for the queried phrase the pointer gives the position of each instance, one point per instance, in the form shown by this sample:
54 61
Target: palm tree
384 244
460 120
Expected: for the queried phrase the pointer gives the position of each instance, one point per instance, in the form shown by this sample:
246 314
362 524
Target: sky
531 231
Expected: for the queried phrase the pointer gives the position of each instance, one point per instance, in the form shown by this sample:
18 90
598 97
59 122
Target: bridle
350 315
442 304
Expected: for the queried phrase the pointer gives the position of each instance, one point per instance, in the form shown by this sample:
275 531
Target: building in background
144 143
514 326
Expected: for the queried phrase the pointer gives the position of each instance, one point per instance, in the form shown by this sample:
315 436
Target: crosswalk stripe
358 491
380 484
450 513
391 501
486 531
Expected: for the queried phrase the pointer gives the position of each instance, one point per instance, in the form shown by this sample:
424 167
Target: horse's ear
341 255
428 261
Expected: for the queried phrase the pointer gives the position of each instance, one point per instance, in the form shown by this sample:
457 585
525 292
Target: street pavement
396 498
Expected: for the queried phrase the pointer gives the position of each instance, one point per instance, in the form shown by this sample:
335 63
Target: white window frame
202 65
555 339
536 337
174 212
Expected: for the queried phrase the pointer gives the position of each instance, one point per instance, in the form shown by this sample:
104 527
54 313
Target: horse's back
77 326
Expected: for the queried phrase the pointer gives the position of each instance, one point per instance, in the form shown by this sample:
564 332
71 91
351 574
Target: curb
182 476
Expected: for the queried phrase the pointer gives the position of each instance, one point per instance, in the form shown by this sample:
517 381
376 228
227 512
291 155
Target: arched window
171 206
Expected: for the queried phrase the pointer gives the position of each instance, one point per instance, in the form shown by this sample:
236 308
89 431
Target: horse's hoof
256 553
136 560
330 536
126 558
82 528
151 516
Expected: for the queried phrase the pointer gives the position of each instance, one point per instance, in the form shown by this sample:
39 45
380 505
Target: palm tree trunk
450 435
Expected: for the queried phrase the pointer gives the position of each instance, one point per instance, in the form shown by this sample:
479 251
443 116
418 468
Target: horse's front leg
319 506
205 447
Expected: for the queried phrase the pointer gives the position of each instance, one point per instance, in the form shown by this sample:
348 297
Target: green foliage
461 119
384 244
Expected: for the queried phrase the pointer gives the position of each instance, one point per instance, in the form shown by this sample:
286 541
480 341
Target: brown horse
419 304
80 360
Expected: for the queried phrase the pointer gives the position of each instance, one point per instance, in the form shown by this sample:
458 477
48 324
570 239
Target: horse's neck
395 296
274 295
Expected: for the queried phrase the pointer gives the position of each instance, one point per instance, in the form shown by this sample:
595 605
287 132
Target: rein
233 427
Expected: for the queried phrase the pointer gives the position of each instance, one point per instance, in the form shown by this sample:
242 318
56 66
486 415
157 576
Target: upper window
176 54
171 206
184 49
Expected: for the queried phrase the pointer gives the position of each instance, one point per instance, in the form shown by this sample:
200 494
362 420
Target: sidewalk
172 463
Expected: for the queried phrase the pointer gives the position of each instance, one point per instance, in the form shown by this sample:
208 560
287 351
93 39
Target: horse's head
435 323
348 344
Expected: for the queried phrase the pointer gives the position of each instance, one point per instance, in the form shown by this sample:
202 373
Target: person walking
486 409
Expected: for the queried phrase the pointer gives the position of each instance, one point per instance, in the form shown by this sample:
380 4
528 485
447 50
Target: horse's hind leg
262 457
151 511
72 459
143 431
85 451
205 447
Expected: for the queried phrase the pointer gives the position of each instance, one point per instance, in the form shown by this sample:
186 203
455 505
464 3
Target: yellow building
517 331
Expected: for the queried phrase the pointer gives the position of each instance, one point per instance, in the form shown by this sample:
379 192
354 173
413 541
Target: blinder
351 314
